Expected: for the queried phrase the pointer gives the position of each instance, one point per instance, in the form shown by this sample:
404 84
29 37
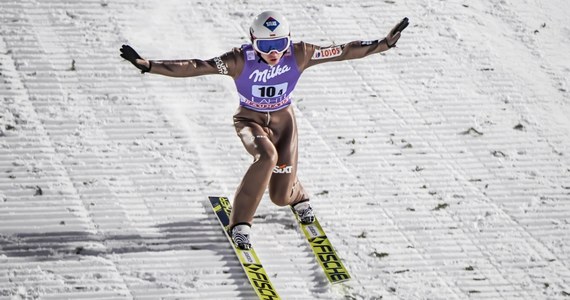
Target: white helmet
268 25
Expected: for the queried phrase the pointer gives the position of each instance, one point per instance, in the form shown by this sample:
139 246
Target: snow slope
440 169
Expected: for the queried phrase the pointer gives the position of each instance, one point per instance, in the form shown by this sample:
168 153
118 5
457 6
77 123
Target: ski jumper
265 121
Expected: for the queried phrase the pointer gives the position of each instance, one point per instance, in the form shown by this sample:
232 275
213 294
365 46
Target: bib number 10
269 91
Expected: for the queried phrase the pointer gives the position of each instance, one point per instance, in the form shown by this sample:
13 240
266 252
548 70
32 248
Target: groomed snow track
440 169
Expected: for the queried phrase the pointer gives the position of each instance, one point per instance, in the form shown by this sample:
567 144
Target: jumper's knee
267 155
280 198
281 201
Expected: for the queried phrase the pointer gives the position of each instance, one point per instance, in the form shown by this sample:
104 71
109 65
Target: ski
324 251
248 258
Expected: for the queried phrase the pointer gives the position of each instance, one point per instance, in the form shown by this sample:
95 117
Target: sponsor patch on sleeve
368 43
329 52
221 65
250 55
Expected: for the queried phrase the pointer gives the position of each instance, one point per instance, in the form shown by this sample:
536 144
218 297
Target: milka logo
267 74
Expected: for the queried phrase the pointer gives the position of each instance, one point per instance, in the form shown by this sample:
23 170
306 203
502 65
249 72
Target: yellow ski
247 258
324 251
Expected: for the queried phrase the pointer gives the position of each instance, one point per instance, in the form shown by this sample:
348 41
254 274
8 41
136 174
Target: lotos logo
271 24
283 169
327 52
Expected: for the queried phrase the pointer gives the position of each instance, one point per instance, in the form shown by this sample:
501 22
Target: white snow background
440 169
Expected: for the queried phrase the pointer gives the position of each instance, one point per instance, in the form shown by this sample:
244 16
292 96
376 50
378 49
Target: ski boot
304 211
240 233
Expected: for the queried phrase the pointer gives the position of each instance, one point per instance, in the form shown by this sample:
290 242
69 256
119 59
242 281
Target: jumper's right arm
186 67
225 64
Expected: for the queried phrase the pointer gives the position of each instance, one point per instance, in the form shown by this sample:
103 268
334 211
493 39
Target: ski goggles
267 46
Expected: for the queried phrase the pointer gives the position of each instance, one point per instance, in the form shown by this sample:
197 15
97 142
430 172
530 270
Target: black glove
394 34
128 53
401 26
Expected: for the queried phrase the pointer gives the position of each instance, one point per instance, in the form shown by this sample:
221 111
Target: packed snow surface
440 169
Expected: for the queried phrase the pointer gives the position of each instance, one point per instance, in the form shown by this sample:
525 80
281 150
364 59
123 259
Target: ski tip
218 199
